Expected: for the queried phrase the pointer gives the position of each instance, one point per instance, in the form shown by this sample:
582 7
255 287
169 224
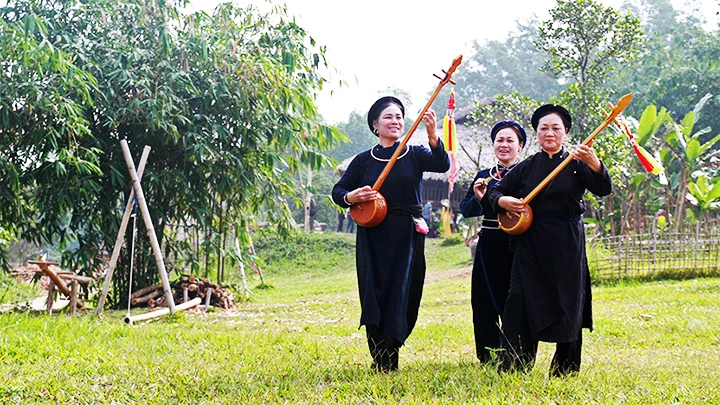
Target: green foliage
585 41
675 66
686 153
303 253
454 239
226 101
359 137
12 291
513 105
6 238
704 195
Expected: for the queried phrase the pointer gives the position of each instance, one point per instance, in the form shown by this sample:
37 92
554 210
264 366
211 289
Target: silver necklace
387 160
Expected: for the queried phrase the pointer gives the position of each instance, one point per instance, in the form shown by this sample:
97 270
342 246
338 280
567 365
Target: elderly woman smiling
494 252
390 257
549 298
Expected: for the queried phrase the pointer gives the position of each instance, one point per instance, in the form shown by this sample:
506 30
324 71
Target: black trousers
489 291
520 349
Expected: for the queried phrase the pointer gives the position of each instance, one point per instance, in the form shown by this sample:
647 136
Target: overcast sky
376 44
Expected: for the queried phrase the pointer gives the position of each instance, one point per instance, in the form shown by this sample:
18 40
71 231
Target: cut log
146 298
143 291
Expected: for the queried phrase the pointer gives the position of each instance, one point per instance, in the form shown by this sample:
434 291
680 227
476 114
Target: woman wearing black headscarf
494 252
390 257
549 298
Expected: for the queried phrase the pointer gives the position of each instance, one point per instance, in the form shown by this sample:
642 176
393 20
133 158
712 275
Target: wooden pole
46 270
51 297
149 226
165 311
207 298
73 297
121 235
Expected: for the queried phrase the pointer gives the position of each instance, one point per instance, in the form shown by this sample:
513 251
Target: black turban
550 109
509 124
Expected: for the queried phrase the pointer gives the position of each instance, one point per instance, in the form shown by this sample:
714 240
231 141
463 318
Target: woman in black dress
494 252
549 298
390 257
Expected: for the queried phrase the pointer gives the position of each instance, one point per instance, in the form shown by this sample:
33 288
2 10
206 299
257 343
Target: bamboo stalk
160 312
148 225
121 235
51 297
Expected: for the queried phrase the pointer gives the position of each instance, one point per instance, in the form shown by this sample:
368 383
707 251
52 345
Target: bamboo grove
225 101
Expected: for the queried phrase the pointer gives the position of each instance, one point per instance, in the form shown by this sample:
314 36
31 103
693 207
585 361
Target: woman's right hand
365 193
479 188
512 204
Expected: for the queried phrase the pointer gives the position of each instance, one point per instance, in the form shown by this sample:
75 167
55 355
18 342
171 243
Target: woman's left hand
430 121
587 155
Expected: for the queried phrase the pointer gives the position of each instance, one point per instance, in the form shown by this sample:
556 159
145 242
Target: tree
676 67
358 134
585 41
501 67
224 100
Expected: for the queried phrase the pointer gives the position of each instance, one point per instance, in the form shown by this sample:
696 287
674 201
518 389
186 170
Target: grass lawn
299 342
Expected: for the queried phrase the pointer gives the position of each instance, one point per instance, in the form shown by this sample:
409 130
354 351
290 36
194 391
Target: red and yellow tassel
450 140
646 159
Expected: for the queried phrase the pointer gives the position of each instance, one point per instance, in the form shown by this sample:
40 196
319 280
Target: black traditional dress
549 298
390 257
491 269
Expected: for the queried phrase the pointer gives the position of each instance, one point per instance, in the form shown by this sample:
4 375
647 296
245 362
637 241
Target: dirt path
436 277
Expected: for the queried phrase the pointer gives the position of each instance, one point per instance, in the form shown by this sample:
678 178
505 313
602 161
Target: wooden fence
655 254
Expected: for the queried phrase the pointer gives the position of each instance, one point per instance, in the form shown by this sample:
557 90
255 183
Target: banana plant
684 146
704 194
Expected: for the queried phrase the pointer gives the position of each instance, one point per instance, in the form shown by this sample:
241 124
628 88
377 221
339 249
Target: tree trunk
680 202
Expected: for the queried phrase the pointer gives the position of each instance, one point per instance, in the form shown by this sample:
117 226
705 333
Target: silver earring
375 131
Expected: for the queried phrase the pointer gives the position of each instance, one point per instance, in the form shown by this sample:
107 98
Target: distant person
445 219
549 298
350 227
312 211
340 219
492 257
427 212
390 257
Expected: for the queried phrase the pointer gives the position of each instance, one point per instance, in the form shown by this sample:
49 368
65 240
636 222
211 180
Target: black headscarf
379 106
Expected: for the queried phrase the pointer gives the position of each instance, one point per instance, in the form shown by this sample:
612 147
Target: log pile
153 296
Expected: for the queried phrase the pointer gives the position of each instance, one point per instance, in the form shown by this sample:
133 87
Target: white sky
376 44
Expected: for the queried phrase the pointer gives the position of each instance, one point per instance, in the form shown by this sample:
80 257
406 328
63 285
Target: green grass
11 291
654 343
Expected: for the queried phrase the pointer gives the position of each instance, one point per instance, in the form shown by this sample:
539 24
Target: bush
454 239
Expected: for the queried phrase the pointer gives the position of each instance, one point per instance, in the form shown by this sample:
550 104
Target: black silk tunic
494 252
550 261
390 257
